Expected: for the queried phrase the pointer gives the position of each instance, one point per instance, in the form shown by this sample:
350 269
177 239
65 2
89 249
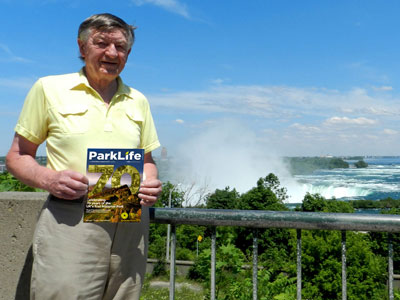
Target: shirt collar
81 81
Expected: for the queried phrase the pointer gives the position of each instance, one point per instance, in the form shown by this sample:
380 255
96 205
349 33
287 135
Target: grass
182 293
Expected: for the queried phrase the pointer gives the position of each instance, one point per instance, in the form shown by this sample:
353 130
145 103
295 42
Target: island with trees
307 165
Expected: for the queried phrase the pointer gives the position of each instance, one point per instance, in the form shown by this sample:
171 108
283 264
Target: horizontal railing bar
276 219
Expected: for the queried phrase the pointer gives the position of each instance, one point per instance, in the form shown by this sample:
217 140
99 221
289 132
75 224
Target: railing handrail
276 219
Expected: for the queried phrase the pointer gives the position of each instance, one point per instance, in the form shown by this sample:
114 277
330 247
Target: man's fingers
151 187
149 192
68 185
147 200
151 183
77 176
77 186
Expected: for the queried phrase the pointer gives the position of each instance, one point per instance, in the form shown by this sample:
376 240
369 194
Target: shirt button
108 127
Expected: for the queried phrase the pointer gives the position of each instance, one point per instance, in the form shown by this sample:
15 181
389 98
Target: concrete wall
18 216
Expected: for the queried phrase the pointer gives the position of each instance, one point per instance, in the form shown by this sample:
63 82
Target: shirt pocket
135 117
134 124
73 118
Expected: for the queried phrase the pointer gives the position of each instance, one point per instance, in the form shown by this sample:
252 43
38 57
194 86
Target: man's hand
21 163
149 191
67 184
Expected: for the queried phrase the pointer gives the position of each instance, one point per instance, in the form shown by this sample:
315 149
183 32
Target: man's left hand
149 191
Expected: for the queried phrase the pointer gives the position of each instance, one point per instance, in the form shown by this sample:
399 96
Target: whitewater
381 179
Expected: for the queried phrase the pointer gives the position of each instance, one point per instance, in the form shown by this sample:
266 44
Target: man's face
105 54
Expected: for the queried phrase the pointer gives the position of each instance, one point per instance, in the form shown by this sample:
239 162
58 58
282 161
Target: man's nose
111 51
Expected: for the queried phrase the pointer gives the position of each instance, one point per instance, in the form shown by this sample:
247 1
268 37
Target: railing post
168 242
390 266
298 264
213 261
344 266
172 264
255 263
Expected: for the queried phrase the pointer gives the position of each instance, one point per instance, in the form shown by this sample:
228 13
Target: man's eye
101 44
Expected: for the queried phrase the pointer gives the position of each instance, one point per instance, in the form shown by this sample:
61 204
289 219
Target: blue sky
298 77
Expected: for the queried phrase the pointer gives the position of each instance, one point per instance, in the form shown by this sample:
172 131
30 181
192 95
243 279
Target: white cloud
173 6
24 83
179 121
305 128
390 131
6 55
383 88
349 121
219 80
282 102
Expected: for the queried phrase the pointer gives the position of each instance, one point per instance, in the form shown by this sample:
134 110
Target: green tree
379 242
273 244
187 241
177 196
317 203
223 199
361 164
321 258
312 203
229 262
267 195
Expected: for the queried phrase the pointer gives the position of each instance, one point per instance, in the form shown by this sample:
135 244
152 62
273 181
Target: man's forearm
150 169
25 167
21 163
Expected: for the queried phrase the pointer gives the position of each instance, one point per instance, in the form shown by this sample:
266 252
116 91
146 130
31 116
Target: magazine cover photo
114 180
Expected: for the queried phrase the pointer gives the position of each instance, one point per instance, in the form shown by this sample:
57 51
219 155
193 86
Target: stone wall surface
18 215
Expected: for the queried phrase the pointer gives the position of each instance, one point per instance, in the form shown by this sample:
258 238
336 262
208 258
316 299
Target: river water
381 179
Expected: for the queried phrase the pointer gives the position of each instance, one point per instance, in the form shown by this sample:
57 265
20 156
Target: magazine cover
114 180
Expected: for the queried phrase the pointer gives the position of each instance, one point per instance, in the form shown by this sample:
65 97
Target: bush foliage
9 183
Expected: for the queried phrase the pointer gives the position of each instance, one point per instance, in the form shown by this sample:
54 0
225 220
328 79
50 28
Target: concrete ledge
18 215
182 266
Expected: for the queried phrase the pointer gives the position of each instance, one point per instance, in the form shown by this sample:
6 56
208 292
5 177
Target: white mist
227 153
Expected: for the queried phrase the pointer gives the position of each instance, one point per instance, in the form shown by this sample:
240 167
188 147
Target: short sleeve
149 139
32 122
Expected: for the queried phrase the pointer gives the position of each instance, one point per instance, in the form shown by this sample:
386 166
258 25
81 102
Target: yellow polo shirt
71 117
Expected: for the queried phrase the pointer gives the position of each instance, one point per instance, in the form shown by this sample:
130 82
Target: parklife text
112 155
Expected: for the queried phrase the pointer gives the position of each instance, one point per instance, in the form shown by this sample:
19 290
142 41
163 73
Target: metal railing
276 219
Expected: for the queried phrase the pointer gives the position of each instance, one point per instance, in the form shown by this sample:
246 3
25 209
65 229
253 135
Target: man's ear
129 52
82 47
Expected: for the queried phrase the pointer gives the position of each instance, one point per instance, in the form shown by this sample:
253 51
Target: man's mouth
109 63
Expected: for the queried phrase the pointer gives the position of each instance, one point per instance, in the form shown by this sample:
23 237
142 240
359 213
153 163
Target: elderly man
74 112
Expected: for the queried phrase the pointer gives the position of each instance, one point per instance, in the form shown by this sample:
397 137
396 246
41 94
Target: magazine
114 180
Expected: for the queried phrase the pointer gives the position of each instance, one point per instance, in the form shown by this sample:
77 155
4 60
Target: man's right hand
67 184
21 163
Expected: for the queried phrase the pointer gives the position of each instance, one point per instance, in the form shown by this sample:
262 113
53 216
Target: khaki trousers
76 260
